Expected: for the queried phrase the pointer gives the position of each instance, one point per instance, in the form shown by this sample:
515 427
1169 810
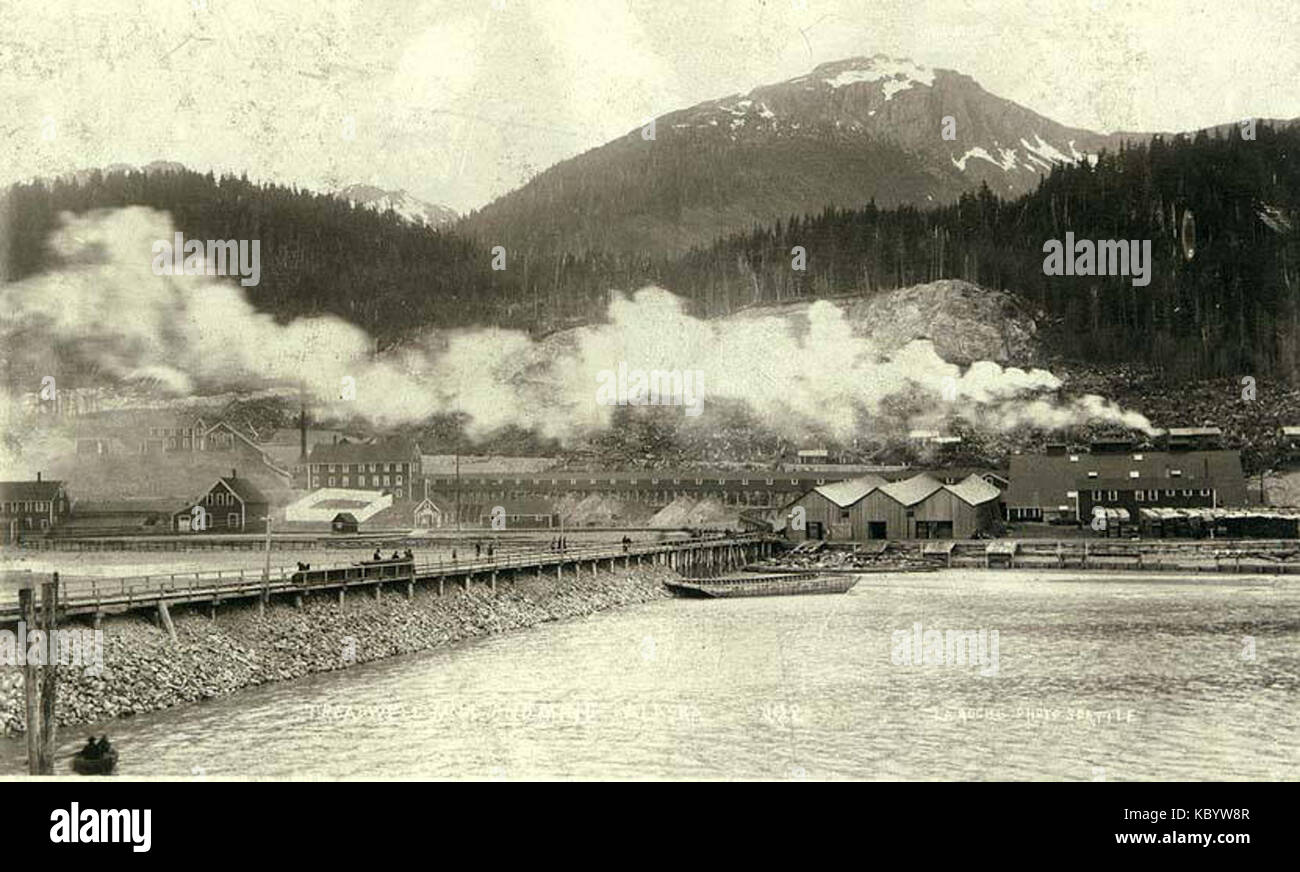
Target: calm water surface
1096 679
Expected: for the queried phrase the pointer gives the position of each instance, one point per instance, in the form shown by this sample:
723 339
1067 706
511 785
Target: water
1096 679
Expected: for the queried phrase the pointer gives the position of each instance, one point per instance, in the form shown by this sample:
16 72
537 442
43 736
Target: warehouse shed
920 507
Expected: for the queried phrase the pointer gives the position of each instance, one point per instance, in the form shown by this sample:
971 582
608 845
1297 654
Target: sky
459 101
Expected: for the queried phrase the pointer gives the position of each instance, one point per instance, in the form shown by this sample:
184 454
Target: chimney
302 423
232 475
38 476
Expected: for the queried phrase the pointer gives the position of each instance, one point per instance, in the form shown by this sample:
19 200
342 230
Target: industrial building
1067 485
920 507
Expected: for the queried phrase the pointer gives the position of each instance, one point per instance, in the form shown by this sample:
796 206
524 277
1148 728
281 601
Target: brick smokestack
302 422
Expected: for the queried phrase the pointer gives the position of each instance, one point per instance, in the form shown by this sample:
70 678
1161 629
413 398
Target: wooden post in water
50 686
27 601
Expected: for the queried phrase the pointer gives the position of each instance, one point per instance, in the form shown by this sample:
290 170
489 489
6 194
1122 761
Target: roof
244 489
16 491
1195 431
911 491
846 493
1045 479
1291 431
974 490
388 450
142 505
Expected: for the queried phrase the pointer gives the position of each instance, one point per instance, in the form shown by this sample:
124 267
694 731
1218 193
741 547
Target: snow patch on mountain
412 209
895 74
1045 150
1006 159
1040 156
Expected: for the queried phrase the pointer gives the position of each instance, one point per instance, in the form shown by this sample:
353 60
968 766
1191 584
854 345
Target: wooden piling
27 601
50 686
165 617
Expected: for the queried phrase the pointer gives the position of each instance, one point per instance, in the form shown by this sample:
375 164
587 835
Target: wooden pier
96 597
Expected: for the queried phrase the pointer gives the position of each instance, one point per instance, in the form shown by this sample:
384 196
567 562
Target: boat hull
785 586
95 765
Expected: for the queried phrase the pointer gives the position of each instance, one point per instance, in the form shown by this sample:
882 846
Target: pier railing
92 594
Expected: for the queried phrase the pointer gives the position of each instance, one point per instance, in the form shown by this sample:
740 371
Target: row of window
1133 473
1150 496
222 498
362 467
28 506
345 482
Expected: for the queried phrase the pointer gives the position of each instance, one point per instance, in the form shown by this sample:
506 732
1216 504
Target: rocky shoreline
145 671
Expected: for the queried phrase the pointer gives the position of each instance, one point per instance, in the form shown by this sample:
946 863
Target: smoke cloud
196 334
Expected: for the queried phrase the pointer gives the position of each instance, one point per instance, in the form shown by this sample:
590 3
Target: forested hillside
1223 214
319 253
1228 308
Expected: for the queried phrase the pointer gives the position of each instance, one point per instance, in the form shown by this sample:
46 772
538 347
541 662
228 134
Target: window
844 514
1187 492
1137 457
1112 495
1074 458
1133 473
232 520
1092 474
385 479
1170 492
331 467
345 481
1140 496
331 481
1096 496
1175 473
1205 492
398 479
399 493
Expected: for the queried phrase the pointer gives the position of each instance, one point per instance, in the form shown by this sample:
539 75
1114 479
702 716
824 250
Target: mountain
410 208
846 133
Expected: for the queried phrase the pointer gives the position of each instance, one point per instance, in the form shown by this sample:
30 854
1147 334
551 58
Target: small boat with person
97 758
